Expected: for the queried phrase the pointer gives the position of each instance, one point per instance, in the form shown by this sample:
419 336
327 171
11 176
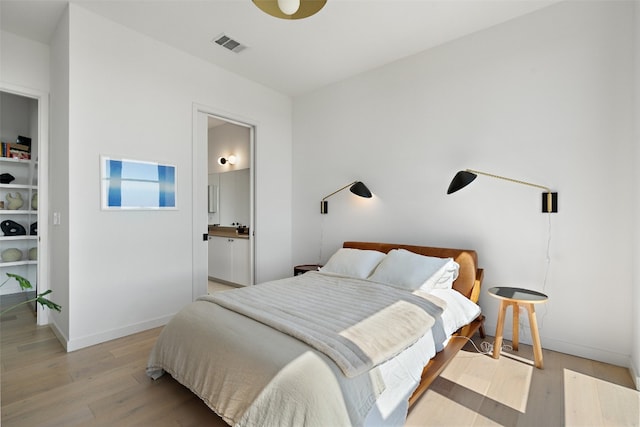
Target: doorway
223 203
24 128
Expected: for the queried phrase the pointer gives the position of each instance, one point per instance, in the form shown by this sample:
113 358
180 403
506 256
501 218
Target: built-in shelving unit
20 118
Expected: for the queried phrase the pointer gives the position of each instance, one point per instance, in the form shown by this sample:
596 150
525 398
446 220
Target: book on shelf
15 151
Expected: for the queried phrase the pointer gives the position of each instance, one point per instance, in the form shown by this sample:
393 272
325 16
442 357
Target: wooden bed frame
468 283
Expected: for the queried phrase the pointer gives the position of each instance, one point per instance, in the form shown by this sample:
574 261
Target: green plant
39 298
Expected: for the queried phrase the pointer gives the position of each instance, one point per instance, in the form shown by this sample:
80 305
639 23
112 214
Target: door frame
42 270
199 190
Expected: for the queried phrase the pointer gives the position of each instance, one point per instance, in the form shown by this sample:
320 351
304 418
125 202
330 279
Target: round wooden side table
515 298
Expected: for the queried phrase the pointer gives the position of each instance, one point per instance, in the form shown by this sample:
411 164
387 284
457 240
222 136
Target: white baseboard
87 341
61 337
598 354
573 349
635 375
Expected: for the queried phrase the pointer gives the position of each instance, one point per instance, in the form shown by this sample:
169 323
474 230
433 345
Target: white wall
16 116
635 354
544 98
132 96
225 140
24 62
59 178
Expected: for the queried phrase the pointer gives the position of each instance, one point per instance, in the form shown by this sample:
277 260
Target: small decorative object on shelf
14 202
33 254
33 229
12 228
25 141
34 201
6 178
11 255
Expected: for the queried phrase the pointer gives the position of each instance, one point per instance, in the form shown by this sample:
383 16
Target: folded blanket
357 323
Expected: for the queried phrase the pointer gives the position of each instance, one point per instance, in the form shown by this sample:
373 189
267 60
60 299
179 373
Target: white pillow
356 263
443 278
408 270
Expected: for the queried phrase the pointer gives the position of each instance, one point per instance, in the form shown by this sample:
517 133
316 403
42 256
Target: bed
356 343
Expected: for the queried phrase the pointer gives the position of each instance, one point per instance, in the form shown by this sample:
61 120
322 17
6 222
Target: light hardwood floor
217 287
106 385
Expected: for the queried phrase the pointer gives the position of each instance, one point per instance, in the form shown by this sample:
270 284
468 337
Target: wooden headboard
469 278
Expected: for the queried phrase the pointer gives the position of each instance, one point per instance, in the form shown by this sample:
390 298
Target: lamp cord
546 270
486 348
548 254
524 326
321 240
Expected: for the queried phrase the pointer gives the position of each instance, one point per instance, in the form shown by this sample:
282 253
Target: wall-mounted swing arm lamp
231 159
357 188
465 177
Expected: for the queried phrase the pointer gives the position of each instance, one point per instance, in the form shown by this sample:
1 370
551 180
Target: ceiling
345 38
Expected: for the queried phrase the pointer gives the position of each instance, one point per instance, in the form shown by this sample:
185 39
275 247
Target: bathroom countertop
229 232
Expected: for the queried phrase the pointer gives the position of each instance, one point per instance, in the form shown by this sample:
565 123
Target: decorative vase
11 255
14 202
33 254
34 201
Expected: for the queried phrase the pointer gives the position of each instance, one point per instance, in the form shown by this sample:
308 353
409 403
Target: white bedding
401 375
221 356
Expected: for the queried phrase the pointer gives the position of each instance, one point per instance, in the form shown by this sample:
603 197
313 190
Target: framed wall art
135 184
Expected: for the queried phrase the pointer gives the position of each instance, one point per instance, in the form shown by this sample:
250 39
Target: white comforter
253 375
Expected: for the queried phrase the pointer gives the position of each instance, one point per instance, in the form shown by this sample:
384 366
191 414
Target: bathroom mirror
229 196
229 171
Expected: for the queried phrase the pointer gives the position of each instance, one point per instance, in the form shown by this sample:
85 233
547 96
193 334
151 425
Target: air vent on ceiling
229 43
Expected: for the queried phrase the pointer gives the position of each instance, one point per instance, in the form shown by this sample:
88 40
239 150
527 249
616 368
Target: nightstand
517 297
301 269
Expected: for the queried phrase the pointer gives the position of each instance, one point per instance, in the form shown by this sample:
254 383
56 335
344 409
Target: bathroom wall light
357 188
465 177
231 159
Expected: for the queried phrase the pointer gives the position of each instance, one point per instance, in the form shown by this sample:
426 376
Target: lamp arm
337 191
547 189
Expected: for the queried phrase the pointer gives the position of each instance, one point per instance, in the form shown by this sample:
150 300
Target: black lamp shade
461 180
359 189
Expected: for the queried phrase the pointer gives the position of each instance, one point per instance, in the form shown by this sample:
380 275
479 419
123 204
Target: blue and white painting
132 184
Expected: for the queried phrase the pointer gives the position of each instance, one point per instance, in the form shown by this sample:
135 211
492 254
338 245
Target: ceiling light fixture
290 9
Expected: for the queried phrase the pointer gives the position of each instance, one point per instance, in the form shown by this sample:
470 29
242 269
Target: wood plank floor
106 385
